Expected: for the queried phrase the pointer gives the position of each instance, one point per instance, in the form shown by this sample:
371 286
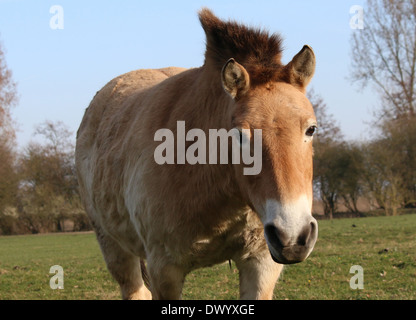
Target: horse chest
223 245
205 252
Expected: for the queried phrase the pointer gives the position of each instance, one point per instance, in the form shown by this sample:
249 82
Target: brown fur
259 52
182 217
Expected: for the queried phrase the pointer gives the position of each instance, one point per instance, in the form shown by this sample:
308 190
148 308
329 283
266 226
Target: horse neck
211 109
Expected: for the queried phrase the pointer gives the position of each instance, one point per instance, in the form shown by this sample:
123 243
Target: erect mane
258 51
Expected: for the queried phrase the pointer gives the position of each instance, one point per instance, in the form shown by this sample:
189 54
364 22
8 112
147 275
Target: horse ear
235 79
302 67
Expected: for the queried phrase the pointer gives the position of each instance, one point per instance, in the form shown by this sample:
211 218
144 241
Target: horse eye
311 131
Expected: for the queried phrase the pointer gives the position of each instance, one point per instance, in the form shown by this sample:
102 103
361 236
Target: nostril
314 232
307 233
271 235
275 237
313 228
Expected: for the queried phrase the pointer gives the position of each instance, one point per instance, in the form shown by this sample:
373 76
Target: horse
161 221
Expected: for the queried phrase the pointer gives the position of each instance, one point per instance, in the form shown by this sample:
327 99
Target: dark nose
286 249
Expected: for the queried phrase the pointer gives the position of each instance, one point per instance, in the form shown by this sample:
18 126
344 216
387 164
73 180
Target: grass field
385 247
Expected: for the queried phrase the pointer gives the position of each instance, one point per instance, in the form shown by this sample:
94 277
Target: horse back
111 98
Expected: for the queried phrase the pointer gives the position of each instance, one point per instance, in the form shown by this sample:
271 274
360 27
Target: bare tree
8 97
57 137
384 55
382 178
328 128
400 137
326 144
351 188
51 165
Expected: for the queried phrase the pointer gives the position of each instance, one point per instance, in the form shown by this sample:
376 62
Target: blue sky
59 71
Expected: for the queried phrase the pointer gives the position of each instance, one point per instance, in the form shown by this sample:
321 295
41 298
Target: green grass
25 262
385 247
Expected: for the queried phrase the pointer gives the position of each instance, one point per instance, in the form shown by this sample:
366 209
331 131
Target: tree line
39 188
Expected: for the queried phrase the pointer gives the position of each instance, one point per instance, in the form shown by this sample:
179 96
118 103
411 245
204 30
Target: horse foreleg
166 279
124 267
258 276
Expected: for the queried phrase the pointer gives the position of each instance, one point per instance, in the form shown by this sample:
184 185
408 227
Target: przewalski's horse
179 217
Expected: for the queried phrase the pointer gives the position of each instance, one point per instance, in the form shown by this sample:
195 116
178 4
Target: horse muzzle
288 249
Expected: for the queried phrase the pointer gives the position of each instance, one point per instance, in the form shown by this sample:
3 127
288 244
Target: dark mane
257 50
